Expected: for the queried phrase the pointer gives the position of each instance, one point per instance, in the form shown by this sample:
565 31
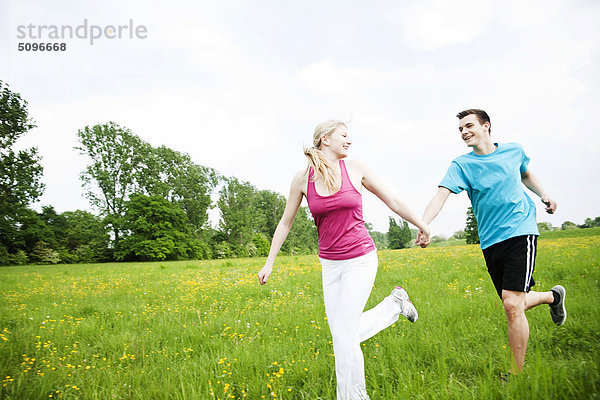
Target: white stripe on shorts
530 261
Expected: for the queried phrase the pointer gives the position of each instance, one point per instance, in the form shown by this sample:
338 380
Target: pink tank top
339 220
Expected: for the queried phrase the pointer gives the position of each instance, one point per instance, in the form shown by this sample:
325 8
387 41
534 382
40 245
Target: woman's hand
264 273
423 239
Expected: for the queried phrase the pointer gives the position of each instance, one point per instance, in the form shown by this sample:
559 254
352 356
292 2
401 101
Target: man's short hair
481 115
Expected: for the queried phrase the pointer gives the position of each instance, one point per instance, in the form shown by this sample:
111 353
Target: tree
380 239
246 212
261 244
394 234
591 223
117 157
42 253
20 171
238 213
471 232
303 237
460 234
18 258
438 239
399 236
123 164
568 225
156 230
56 222
545 227
270 206
175 177
26 231
407 234
85 237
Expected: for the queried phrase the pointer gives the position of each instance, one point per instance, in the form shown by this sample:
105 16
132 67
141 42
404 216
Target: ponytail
322 167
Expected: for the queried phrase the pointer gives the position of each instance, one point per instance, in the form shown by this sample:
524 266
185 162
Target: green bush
42 253
262 245
4 256
199 250
66 257
19 258
222 250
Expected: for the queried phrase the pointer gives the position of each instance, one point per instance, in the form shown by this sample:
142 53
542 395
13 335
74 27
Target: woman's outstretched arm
375 186
284 226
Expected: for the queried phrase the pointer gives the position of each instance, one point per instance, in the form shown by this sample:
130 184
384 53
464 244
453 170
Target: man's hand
423 239
550 204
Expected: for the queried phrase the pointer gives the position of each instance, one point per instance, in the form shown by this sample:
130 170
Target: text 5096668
42 46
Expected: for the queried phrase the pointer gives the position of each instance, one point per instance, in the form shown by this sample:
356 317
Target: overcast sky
240 86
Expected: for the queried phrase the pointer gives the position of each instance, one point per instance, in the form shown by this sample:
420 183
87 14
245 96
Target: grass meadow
207 330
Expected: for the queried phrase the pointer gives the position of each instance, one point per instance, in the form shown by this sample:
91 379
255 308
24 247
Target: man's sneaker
406 307
559 312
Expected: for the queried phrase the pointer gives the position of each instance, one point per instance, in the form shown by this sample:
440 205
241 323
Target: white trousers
347 285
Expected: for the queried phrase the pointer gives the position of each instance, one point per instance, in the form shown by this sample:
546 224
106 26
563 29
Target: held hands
264 274
550 204
423 239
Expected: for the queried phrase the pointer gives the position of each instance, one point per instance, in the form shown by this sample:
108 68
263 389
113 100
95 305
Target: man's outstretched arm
532 183
433 209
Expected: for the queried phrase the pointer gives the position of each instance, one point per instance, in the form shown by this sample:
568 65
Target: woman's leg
356 278
332 284
378 318
347 286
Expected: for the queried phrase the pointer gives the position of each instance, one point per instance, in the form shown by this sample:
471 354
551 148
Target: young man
493 175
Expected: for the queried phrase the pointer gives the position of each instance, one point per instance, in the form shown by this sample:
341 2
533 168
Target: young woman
332 187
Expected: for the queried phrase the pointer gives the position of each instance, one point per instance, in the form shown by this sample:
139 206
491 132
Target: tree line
151 204
471 234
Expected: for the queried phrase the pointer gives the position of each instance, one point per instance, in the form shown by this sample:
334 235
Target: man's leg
518 327
533 299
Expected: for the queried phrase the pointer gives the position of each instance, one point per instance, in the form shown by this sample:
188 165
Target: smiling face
473 132
337 142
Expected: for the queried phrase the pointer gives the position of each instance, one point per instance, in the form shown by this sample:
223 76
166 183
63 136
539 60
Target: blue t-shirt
493 182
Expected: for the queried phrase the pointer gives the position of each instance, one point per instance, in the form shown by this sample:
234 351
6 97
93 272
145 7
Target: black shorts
510 263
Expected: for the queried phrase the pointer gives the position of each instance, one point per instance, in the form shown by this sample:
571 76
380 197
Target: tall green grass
207 330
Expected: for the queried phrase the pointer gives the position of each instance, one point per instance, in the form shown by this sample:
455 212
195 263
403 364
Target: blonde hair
316 159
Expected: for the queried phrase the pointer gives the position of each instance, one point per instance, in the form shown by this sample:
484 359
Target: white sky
240 86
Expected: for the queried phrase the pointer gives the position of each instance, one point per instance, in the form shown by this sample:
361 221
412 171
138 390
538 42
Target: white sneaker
407 308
